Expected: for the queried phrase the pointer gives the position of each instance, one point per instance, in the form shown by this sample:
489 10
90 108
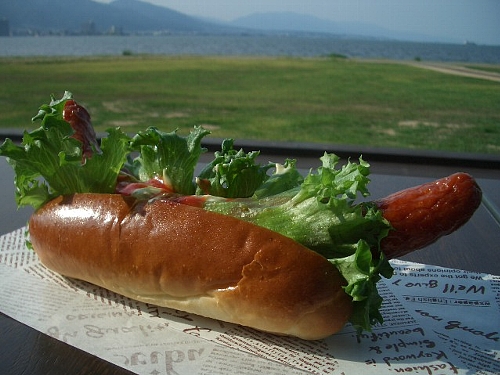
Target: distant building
115 30
88 28
4 27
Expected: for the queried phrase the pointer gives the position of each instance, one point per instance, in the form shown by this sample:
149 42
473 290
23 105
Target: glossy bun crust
178 256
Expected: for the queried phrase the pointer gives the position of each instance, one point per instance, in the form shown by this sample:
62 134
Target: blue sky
472 20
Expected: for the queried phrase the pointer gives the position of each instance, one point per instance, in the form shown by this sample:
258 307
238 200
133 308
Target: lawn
324 100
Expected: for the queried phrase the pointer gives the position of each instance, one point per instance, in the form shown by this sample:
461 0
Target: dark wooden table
475 247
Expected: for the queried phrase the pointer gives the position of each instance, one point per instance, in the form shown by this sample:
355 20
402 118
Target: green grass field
324 100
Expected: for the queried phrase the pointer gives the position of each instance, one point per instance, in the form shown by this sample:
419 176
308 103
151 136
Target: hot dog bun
178 256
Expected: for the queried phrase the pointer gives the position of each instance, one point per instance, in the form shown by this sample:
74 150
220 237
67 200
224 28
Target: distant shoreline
247 46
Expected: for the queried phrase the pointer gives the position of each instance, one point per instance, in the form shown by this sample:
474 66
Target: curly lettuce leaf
232 173
285 177
362 272
49 162
169 156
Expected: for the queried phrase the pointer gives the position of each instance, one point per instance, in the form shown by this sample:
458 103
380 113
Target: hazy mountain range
287 21
74 16
134 16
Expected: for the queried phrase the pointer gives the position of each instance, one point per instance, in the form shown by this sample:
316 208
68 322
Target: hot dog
281 253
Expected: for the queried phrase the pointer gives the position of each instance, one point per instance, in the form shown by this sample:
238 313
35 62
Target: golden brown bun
186 258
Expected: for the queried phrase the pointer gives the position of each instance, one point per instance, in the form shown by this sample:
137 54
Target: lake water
245 46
